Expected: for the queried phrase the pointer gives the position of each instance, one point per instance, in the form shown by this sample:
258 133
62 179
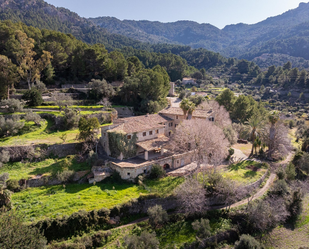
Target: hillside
40 14
286 34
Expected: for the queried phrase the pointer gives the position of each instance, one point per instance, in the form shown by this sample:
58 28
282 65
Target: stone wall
256 184
17 153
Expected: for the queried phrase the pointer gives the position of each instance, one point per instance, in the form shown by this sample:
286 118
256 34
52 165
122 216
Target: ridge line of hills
272 41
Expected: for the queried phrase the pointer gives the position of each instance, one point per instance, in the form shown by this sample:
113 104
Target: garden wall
18 153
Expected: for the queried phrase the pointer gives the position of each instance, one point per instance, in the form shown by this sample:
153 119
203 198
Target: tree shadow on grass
250 174
75 188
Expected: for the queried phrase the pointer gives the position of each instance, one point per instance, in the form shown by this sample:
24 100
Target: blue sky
215 12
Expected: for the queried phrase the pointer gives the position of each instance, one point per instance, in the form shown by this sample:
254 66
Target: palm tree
184 105
255 124
191 109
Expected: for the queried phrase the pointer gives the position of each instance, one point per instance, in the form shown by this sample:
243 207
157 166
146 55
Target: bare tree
206 140
191 196
276 138
221 115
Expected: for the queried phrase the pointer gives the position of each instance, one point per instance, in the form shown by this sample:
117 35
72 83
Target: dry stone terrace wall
60 150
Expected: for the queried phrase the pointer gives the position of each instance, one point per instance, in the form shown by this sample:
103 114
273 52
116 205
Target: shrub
65 176
34 117
295 203
13 234
231 151
100 89
144 241
71 118
3 178
156 172
4 157
247 242
13 105
202 228
66 164
13 185
10 126
290 172
88 128
279 188
281 173
33 97
157 215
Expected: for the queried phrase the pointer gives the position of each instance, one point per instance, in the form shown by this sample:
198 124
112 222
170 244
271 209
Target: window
170 125
128 173
177 161
176 117
150 133
144 134
157 131
145 171
169 133
129 137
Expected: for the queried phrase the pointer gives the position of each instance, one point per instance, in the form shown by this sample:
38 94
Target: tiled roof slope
140 123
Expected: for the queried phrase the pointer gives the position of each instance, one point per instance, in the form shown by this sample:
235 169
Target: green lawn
163 186
40 135
53 201
240 173
19 170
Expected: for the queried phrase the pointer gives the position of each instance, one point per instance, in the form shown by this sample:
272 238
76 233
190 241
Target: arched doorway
166 166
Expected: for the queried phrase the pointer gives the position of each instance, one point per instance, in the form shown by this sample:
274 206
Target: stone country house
137 143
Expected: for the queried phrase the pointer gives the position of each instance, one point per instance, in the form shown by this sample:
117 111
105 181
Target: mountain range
284 34
280 37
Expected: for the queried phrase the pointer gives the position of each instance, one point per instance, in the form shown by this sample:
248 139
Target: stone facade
152 133
130 170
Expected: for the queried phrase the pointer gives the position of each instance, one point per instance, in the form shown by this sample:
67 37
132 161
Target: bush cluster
74 224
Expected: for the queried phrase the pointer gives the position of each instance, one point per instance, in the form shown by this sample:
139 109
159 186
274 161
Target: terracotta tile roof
140 123
153 144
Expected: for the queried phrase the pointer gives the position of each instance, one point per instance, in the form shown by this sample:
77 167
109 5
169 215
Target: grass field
19 170
292 236
242 174
41 134
53 201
